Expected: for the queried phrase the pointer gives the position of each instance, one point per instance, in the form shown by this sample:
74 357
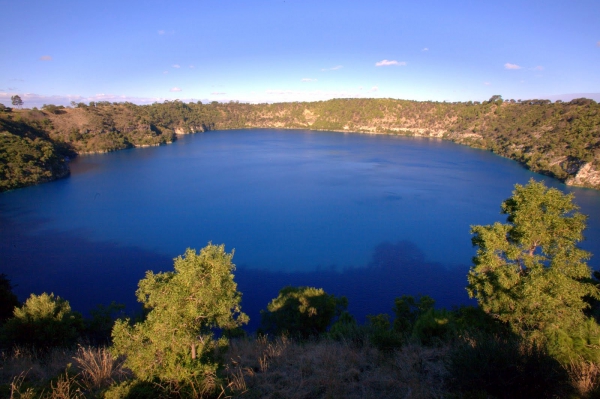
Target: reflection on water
368 217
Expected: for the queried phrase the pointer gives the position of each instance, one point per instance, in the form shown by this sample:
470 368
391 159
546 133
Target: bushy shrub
347 329
44 321
301 311
381 335
487 365
8 300
434 326
407 310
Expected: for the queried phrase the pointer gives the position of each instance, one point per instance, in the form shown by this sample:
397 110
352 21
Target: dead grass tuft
98 368
585 377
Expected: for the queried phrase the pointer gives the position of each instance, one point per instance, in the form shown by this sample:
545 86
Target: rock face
587 176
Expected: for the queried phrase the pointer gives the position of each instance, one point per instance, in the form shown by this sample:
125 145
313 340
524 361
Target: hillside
557 139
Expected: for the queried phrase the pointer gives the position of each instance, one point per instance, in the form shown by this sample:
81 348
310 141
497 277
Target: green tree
44 321
529 272
16 101
301 311
175 341
8 300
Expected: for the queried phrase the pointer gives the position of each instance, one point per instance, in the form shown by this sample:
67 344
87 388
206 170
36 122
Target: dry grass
326 369
36 368
585 377
98 368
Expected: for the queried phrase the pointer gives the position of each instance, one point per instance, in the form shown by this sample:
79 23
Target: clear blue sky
272 51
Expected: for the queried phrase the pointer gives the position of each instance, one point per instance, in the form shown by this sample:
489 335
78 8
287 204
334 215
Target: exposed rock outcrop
587 176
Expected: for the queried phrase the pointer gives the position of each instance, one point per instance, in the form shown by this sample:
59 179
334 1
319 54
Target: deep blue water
369 217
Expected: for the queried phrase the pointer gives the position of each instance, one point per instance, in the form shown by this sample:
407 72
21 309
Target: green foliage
44 321
16 101
490 366
556 139
434 326
529 272
175 342
8 300
407 310
345 328
381 335
99 327
470 319
301 311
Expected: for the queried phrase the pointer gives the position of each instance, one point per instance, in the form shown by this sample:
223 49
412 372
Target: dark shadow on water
395 270
88 273
69 265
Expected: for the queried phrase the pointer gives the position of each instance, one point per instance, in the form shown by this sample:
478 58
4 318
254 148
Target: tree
16 101
175 340
529 272
301 311
8 300
44 321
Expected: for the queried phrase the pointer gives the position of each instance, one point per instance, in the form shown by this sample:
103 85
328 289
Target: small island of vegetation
560 139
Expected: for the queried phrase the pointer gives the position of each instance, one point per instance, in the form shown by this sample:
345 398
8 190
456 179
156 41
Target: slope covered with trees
557 139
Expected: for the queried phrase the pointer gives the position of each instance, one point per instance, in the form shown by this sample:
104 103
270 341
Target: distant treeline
560 139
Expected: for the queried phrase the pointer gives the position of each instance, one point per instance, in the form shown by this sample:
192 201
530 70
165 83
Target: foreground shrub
488 365
175 342
301 311
433 327
44 321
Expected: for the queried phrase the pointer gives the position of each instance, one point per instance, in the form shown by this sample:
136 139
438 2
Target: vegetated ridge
558 139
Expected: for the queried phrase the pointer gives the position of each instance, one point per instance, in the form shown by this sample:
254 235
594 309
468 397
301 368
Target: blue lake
369 217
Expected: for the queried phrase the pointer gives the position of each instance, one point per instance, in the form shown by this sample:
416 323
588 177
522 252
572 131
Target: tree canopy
301 311
175 340
44 321
529 272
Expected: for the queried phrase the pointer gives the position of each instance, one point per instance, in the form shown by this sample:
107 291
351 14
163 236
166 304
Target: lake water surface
369 217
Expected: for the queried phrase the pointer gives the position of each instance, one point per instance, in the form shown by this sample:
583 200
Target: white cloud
390 62
335 68
508 65
192 67
374 89
538 68
161 32
46 58
487 83
425 49
165 72
308 80
176 66
218 93
175 89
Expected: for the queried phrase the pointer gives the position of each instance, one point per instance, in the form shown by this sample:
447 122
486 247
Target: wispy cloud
390 63
335 68
374 89
487 83
537 68
176 66
175 89
217 93
508 65
308 80
425 49
598 44
161 32
46 58
165 72
192 67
